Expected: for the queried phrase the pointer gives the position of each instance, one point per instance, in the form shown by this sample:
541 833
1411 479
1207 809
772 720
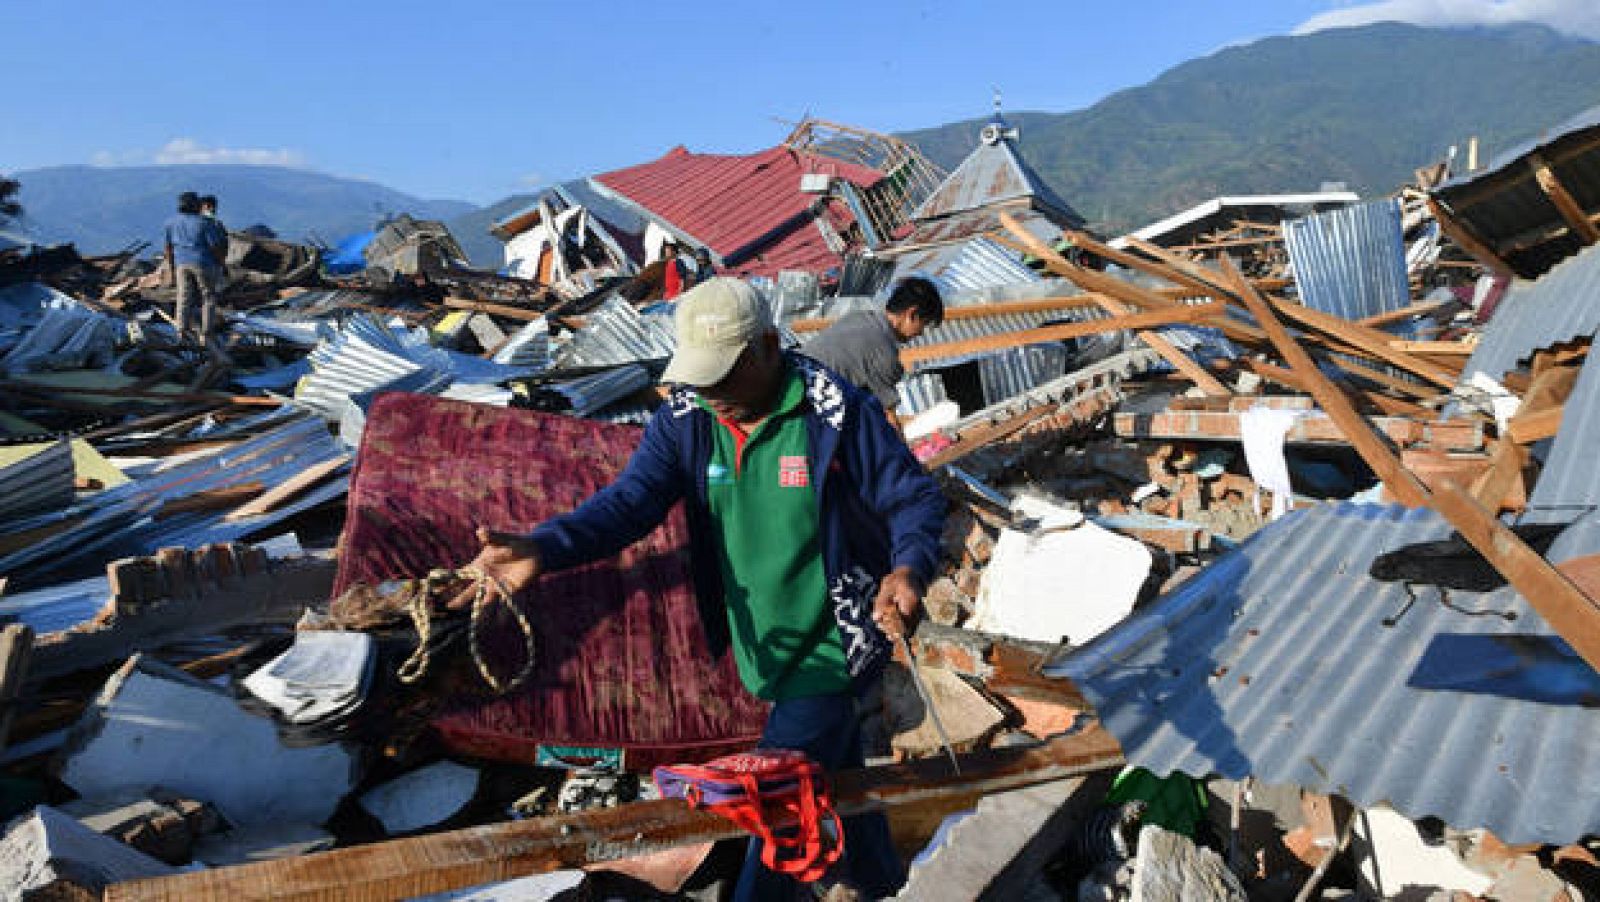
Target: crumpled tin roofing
364 356
1562 305
615 333
1275 661
1505 207
1350 261
967 266
119 521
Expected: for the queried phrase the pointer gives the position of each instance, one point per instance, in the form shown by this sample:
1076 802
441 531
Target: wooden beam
521 313
1180 264
977 311
1450 348
289 488
1494 487
1133 261
1177 314
1564 202
1527 428
1400 483
1369 342
416 866
1179 360
1571 613
1420 308
1465 239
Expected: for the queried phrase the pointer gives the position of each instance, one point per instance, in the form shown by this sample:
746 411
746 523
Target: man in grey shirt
864 347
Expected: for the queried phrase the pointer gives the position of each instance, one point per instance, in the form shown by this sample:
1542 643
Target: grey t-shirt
863 348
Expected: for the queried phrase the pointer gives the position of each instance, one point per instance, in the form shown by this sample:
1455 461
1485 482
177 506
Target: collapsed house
1269 571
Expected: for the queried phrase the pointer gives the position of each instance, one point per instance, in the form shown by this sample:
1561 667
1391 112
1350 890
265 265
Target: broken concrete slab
1171 868
154 725
1064 578
1392 858
1002 846
48 855
421 798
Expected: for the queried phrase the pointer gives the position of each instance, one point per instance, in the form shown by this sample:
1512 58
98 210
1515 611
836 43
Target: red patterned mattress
622 657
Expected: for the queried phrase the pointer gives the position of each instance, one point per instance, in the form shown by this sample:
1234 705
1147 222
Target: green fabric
765 510
1177 803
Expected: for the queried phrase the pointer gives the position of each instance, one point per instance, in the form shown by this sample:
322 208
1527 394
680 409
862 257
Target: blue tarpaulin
346 257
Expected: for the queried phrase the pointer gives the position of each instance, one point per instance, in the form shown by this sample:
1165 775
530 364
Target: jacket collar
826 394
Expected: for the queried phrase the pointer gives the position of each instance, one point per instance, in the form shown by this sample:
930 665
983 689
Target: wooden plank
1133 321
1385 403
1452 348
1466 239
1180 264
1396 479
1314 428
210 500
289 488
1420 308
1179 360
1571 613
521 313
16 650
1494 488
474 856
1370 342
1527 428
1133 261
1571 211
977 311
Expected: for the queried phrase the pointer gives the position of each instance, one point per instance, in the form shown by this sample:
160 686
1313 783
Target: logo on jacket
717 474
792 472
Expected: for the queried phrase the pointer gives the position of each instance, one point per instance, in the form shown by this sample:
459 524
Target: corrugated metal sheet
1103 377
64 338
40 478
952 330
994 173
364 356
1569 484
585 395
1219 212
1505 207
615 333
967 266
1275 661
1350 262
1006 374
1562 305
920 392
748 208
119 521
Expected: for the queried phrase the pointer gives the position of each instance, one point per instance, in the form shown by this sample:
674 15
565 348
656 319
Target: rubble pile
1270 569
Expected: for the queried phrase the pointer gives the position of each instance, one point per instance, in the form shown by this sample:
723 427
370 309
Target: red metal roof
743 206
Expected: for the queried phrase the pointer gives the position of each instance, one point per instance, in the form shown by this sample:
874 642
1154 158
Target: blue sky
477 100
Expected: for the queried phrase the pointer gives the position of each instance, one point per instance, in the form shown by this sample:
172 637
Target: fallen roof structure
1534 205
1286 661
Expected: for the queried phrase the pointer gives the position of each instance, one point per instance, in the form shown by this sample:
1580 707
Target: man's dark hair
921 295
188 202
208 200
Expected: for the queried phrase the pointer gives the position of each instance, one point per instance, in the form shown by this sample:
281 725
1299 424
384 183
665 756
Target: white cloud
531 180
188 150
1575 17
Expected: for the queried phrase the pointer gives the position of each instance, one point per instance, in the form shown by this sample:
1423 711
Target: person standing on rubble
814 533
864 346
194 251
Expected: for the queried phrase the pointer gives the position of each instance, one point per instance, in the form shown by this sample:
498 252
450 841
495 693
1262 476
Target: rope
419 604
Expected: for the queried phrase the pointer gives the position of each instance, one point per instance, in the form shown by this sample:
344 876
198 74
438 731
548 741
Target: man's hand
511 560
899 603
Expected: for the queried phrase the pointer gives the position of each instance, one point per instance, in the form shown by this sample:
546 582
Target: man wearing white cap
814 534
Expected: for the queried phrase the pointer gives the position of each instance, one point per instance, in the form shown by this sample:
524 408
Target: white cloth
1262 430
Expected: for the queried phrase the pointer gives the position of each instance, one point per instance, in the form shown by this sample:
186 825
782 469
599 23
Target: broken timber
1177 314
1182 362
1310 429
462 858
1571 613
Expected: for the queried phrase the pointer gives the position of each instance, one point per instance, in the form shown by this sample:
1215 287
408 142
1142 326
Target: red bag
762 788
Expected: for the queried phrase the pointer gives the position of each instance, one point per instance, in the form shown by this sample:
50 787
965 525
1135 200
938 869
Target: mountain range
1364 106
